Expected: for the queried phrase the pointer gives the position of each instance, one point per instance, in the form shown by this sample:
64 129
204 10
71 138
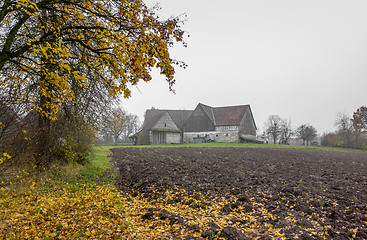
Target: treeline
280 130
30 137
118 126
351 132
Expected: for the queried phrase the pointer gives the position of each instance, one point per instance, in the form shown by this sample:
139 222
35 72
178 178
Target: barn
220 124
204 124
162 126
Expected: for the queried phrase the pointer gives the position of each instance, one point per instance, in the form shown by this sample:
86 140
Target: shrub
143 138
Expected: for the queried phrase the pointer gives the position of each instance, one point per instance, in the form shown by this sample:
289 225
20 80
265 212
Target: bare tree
132 125
273 127
344 126
114 124
286 131
343 122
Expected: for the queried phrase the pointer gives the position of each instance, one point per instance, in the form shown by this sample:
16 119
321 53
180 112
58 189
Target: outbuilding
162 126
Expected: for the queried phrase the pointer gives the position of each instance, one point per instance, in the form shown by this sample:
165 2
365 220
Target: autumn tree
351 132
47 48
344 129
359 122
273 127
122 40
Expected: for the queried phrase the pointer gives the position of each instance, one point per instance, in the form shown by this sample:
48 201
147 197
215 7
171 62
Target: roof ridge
232 106
213 117
207 114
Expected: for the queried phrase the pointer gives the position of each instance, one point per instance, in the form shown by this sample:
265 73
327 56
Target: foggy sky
302 60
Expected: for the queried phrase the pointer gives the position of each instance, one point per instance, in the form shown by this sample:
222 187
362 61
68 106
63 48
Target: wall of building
173 137
226 128
159 137
165 122
216 136
247 125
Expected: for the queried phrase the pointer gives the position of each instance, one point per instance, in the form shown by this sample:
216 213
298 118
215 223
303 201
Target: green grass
99 169
99 157
250 145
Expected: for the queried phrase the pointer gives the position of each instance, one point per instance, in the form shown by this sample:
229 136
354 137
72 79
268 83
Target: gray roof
180 117
226 116
152 116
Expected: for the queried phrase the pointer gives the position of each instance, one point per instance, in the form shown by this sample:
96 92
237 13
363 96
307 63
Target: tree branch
4 9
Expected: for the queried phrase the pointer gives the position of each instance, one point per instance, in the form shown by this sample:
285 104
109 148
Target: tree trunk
42 151
275 138
43 144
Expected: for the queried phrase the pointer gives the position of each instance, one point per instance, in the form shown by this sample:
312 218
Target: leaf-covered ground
77 211
198 193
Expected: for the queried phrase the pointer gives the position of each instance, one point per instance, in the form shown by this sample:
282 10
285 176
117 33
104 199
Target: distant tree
351 133
359 122
307 133
328 139
344 129
114 124
132 125
343 122
301 133
273 127
286 131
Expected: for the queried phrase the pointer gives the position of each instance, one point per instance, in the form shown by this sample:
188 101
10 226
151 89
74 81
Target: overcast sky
302 60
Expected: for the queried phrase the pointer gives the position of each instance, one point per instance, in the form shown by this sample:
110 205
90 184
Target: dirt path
304 194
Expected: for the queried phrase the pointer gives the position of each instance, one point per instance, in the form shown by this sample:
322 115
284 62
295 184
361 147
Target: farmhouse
162 126
205 123
220 124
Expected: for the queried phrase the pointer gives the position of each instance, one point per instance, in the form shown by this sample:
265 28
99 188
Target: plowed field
243 193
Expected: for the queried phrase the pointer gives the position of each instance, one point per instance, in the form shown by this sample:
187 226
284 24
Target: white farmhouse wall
226 128
172 137
216 136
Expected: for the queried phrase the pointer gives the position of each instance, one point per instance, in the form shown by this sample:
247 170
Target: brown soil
310 194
